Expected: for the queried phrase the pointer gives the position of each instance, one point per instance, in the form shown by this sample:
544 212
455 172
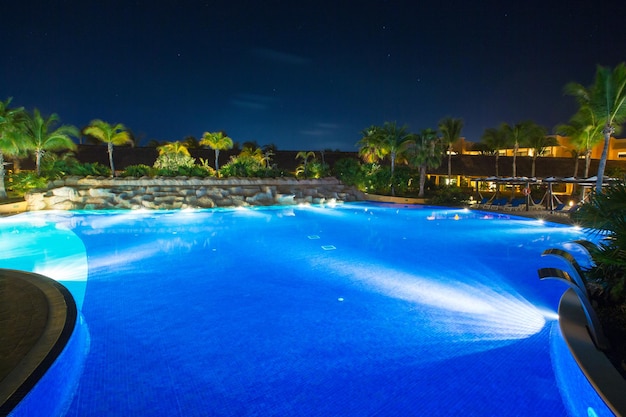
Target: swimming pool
354 310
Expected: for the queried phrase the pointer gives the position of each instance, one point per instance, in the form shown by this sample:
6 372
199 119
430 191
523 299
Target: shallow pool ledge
600 372
38 316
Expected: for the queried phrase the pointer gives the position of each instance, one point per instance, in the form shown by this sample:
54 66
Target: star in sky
306 75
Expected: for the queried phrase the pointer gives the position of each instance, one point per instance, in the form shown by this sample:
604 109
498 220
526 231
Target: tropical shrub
349 171
377 179
249 165
21 182
196 171
172 162
54 166
138 171
450 196
605 215
405 181
95 169
312 169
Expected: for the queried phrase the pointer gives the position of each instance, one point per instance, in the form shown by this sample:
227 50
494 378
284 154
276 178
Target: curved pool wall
52 395
579 396
76 349
32 242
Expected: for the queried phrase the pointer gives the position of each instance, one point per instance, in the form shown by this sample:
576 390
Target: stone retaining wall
181 192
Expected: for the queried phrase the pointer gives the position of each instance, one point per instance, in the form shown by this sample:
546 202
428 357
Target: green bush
138 171
24 181
349 171
244 165
90 168
313 169
54 167
172 162
450 196
604 215
196 171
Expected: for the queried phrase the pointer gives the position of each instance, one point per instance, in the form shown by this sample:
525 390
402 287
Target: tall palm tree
9 143
112 135
496 140
517 135
609 102
218 141
39 137
584 132
369 148
606 99
450 129
537 141
380 141
423 151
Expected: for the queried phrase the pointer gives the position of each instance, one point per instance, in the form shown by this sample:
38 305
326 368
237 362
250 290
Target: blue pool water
354 310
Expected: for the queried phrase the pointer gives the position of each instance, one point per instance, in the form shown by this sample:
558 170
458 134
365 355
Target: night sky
303 75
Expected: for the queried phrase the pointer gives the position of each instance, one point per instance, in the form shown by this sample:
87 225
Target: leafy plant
173 162
605 215
245 164
450 196
138 171
95 169
310 166
54 166
349 171
196 171
22 182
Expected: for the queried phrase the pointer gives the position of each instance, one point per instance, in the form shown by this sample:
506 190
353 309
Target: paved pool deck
37 317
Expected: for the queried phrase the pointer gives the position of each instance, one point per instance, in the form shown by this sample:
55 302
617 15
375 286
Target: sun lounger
516 204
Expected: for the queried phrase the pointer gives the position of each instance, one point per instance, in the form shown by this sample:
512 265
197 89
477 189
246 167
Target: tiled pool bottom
241 313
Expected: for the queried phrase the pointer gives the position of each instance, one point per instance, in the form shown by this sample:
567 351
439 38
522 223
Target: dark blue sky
304 75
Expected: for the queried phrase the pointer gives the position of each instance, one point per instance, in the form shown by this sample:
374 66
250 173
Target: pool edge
599 371
60 322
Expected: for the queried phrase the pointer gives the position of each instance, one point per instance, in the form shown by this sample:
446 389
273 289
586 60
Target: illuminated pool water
354 310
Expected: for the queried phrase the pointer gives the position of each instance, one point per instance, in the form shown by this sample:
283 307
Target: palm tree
604 216
112 135
496 140
39 136
173 148
191 142
380 141
606 99
306 157
517 135
218 141
537 141
268 152
450 129
584 132
423 151
9 143
369 149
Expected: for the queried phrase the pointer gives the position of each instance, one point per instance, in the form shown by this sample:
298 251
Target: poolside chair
564 210
498 203
516 204
483 202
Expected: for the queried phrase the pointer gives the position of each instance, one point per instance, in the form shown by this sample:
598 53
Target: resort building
469 164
